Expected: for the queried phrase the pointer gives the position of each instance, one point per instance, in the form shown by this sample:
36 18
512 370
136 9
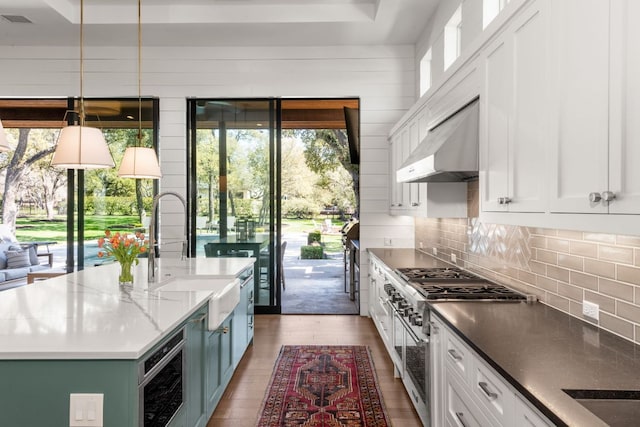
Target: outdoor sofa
19 259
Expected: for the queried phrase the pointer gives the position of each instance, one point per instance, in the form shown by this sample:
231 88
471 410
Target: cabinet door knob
608 196
415 204
595 197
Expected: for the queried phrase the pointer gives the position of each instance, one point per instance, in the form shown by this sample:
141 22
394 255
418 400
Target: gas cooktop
456 284
438 274
460 291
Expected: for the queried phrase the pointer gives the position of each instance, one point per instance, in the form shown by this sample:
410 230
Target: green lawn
38 229
332 242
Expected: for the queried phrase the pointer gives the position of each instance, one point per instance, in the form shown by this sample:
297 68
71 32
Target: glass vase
125 277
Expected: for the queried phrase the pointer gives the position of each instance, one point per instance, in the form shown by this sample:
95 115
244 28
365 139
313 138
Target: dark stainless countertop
538 349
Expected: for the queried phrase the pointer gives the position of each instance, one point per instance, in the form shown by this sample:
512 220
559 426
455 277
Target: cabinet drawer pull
454 354
224 330
485 388
460 417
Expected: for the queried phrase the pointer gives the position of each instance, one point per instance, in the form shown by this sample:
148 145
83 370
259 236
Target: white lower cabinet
460 408
526 416
468 392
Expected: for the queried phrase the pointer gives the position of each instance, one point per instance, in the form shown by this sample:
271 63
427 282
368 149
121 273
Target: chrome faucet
152 243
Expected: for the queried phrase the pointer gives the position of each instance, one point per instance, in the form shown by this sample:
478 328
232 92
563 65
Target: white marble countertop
87 315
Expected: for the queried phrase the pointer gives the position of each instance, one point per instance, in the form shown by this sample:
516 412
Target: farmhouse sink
615 407
225 294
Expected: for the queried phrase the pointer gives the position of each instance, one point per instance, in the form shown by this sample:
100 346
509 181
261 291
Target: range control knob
417 320
407 312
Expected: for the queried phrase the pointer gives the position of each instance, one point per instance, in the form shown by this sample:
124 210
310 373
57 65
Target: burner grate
438 275
488 291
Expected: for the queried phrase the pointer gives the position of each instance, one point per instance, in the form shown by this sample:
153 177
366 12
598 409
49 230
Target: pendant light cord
81 120
140 73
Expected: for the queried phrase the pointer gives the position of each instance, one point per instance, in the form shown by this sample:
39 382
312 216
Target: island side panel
36 392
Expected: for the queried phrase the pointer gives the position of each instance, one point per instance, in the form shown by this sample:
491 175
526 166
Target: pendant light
4 144
80 146
139 161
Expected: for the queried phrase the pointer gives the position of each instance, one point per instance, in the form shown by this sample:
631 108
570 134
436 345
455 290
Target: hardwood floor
242 400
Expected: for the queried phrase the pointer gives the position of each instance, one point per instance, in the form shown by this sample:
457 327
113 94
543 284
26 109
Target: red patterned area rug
323 386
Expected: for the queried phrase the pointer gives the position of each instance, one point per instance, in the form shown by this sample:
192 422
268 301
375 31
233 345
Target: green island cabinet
36 392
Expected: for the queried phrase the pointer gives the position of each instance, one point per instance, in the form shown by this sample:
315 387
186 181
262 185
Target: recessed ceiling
218 22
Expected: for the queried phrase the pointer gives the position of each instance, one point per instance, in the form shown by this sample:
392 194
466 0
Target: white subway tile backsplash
584 249
561 267
617 325
616 254
600 268
629 274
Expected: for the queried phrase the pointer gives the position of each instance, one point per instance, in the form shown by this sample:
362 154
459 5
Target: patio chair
264 268
201 223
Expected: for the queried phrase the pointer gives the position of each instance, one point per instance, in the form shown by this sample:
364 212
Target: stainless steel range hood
448 153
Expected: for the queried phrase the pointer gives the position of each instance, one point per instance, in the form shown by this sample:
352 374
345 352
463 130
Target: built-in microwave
161 383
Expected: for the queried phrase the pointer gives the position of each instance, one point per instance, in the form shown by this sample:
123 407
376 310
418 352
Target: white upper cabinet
595 150
624 108
514 116
580 104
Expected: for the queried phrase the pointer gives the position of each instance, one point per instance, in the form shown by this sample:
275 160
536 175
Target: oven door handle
407 328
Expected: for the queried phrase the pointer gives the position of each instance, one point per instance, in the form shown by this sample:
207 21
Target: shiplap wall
382 76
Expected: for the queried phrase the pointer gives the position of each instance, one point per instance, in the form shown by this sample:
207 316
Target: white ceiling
217 22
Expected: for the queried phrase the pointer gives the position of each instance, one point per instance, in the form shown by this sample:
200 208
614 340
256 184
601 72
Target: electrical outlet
591 310
86 409
453 258
387 241
420 245
435 251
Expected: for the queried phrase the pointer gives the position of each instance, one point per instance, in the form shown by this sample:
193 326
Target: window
452 38
425 72
72 207
491 9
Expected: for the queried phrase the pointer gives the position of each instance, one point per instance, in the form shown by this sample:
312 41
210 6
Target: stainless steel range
408 296
456 284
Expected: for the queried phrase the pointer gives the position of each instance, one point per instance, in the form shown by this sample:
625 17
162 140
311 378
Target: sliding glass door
232 186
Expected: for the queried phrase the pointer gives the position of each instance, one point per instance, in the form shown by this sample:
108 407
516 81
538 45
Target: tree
325 151
17 168
207 168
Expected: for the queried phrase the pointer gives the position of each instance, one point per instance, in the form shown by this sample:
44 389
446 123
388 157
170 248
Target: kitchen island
84 333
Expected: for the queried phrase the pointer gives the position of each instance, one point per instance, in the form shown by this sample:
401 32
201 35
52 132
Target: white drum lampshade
140 162
82 147
4 144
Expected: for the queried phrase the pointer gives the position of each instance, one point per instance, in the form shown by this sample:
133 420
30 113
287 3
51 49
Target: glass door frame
274 220
77 187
